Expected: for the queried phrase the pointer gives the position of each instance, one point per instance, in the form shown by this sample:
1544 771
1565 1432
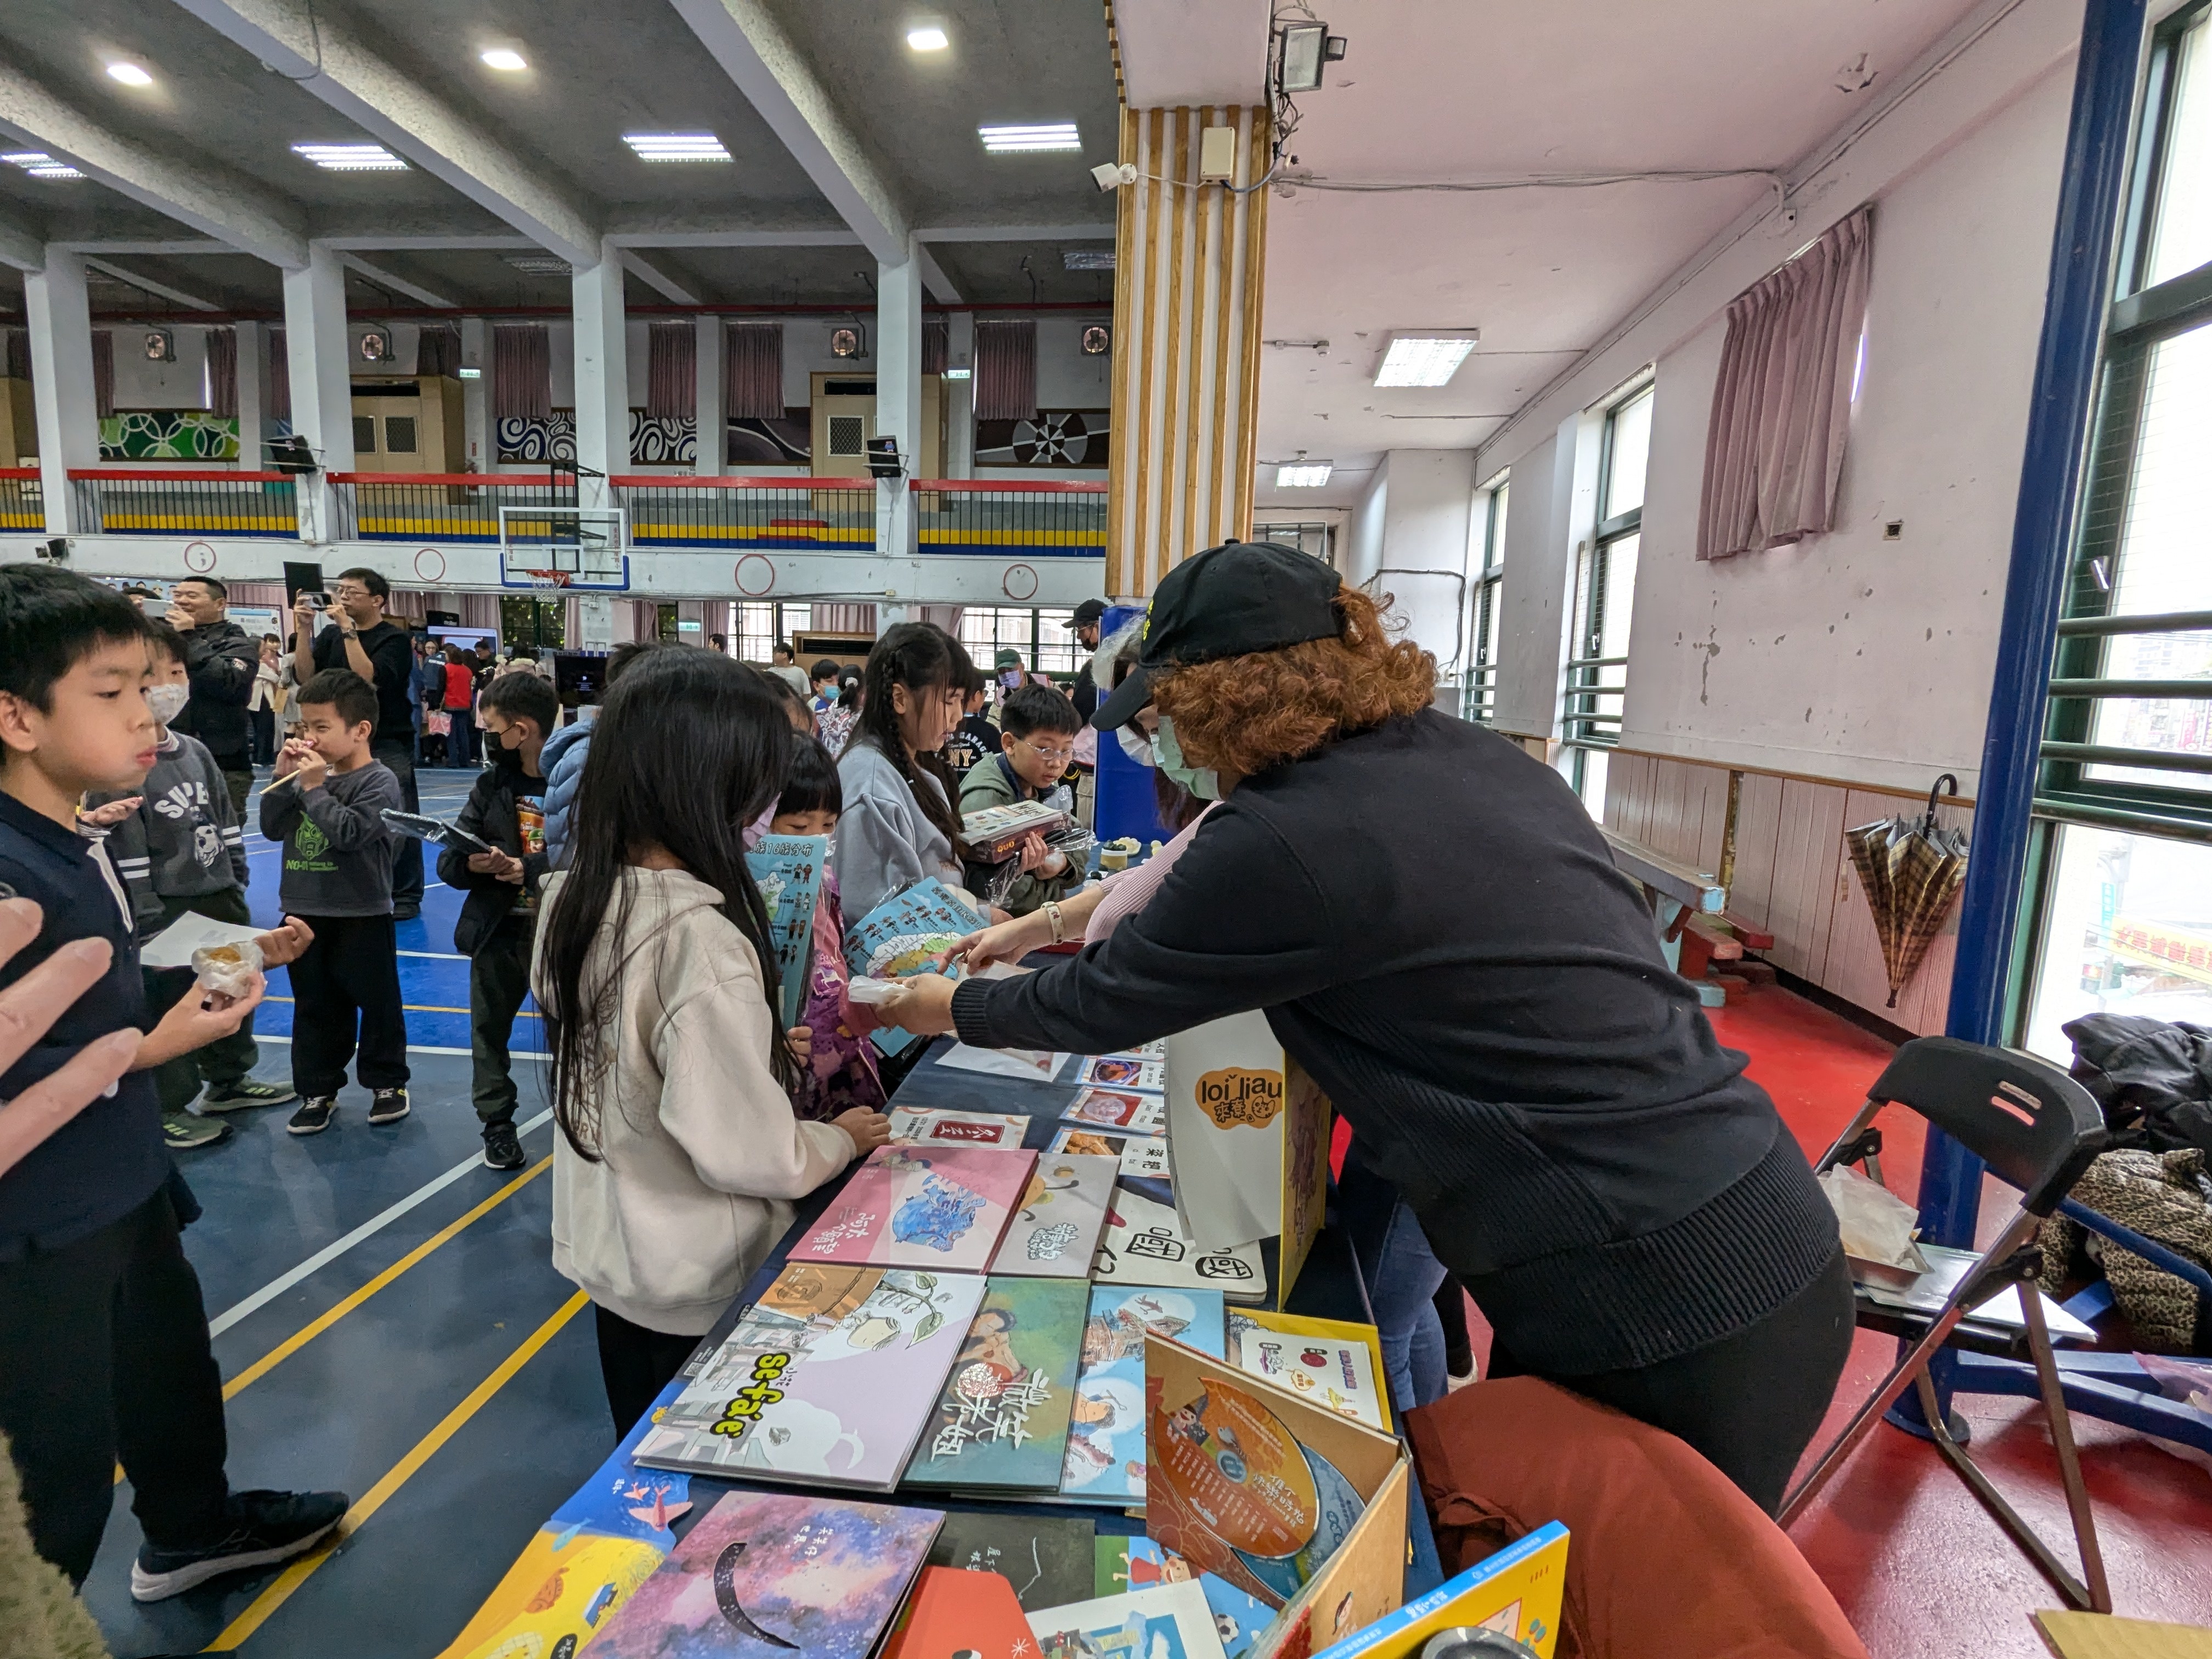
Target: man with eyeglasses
379 651
1040 726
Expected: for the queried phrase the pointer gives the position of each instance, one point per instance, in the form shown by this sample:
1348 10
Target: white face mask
167 701
1137 749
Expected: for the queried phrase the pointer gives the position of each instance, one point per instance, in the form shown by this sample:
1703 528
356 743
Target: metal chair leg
2069 1459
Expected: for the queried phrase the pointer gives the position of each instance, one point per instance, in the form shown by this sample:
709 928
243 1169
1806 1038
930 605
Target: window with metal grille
399 434
1478 691
364 435
1605 595
849 435
1045 638
761 625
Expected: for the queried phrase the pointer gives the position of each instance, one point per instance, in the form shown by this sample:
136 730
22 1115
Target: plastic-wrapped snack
227 969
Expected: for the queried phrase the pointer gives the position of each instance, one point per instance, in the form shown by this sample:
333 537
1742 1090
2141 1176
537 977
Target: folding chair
2036 1129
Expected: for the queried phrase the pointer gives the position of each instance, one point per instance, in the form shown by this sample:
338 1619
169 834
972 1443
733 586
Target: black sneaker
245 1092
265 1528
314 1114
389 1106
502 1147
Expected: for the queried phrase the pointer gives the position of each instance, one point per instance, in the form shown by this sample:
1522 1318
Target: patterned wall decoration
670 441
526 438
1057 438
168 434
787 442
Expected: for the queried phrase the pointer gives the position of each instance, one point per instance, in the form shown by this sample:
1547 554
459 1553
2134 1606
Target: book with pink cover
936 1207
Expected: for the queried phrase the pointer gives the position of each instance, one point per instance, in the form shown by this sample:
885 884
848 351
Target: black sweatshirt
1438 935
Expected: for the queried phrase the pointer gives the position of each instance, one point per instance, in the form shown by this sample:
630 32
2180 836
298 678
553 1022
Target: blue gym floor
390 1306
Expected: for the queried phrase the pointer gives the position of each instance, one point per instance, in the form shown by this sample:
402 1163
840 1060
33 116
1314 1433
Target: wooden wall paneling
1711 838
1625 810
1757 827
1670 781
1802 888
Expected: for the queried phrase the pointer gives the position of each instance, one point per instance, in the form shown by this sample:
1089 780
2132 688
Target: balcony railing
168 500
818 515
21 505
1005 516
439 506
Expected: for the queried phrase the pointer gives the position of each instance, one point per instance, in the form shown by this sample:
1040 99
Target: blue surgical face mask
1201 781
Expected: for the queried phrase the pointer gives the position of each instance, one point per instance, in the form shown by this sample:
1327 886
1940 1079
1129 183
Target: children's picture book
1055 1232
934 1125
1517 1592
1145 1245
995 834
1167 1621
907 934
1105 1461
931 1207
766 1574
788 869
828 1379
1142 1157
1330 1360
1118 1108
1138 1563
1002 1419
965 1613
1048 1562
1156 1050
1124 1072
1029 1065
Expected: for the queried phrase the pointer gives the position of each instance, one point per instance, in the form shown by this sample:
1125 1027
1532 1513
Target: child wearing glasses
1040 724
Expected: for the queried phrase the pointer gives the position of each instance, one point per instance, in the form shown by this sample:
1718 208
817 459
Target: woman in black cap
1437 933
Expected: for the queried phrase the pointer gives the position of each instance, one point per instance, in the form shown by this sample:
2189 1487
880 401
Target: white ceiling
1485 90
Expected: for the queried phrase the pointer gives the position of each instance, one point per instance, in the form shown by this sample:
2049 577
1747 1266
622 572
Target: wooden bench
1683 898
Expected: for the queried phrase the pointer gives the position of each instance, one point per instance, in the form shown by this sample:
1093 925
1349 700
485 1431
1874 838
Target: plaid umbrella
1911 871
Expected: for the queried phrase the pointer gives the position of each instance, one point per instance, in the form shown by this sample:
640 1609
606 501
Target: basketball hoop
548 578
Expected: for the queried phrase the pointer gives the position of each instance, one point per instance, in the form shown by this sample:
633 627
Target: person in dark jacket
498 918
221 661
1089 619
1436 931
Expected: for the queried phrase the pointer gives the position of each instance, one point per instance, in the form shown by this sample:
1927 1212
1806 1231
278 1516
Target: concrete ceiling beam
148 285
663 285
21 248
398 284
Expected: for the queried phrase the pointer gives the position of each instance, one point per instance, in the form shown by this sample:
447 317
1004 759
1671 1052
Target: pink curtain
1782 404
407 604
439 350
936 342
671 361
521 372
253 594
280 378
752 371
222 377
946 617
103 373
1005 370
478 610
845 619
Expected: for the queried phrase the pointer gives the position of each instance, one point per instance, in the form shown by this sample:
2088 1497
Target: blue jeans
1402 1274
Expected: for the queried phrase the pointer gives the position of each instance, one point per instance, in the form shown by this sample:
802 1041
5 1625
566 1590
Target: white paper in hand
174 945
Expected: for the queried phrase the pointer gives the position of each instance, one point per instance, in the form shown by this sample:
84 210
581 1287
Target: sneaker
265 1528
502 1147
314 1114
389 1106
185 1130
245 1092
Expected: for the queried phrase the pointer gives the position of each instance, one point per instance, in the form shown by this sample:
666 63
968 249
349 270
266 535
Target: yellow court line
280 1591
307 1332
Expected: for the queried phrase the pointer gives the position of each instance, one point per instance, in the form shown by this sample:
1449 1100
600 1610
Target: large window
762 625
2122 850
1478 696
1045 638
1605 595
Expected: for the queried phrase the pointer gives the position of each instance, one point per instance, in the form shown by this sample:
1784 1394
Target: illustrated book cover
828 1379
1029 1065
1055 1232
1002 1419
1105 1461
1145 1245
787 870
1118 1108
1048 1562
938 1125
935 1206
1144 1158
1124 1072
1138 1563
954 1611
1331 1360
1167 1621
766 1574
1156 1050
1517 1592
905 935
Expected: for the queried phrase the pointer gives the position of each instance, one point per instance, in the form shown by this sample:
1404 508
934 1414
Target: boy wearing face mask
175 842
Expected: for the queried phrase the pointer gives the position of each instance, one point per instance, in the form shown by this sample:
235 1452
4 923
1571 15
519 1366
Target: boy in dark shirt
327 807
104 1351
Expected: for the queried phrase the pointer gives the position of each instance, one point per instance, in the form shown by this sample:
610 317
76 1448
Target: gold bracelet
1053 915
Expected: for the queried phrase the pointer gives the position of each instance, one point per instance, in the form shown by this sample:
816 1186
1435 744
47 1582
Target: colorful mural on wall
523 439
168 434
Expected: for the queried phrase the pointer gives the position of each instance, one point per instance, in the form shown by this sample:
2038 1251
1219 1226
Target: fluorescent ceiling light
351 158
1053 135
39 165
927 40
540 264
1086 258
130 73
1424 360
1303 475
677 145
503 57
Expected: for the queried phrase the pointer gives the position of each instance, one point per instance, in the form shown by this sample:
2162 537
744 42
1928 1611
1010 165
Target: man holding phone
378 651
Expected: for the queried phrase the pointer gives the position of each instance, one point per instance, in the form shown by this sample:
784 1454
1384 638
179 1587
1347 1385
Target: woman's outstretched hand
922 1005
1008 941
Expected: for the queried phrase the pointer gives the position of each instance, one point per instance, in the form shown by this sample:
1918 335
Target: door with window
1605 597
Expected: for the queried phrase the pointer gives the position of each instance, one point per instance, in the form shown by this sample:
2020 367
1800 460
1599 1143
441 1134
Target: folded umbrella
1911 871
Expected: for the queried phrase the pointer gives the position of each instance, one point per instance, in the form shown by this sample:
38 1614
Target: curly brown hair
1244 715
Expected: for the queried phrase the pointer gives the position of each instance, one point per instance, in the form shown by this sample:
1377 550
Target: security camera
1109 175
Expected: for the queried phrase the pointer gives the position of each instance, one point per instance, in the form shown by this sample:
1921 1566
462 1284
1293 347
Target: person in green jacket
1040 726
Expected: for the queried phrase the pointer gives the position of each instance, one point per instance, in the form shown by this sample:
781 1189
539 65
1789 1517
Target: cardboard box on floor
1247 1135
2100 1635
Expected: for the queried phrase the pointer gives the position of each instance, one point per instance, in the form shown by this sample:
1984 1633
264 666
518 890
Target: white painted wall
1408 538
140 383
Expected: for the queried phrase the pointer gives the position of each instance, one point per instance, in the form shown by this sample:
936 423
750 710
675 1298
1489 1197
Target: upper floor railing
22 503
176 501
439 506
1050 517
818 515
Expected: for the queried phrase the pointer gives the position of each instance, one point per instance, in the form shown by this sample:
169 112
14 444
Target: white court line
427 1048
434 956
330 1253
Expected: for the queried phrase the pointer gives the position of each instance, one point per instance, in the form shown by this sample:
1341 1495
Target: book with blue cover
907 934
788 869
1105 1461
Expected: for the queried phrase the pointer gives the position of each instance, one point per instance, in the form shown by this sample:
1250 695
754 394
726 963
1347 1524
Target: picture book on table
908 933
939 1126
1029 1065
1517 1592
766 1574
1156 1050
1055 1232
1118 1108
787 870
1105 1461
1254 1483
1145 1245
1143 1156
1048 1562
828 1379
935 1206
1138 1563
1002 1418
973 1614
1124 1072
1336 1363
1167 1621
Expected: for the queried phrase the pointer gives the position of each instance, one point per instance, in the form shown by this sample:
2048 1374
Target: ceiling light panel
1424 359
503 58
927 40
1303 475
1007 141
131 75
677 145
351 158
39 165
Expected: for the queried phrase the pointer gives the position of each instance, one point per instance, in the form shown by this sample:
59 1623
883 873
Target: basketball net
547 578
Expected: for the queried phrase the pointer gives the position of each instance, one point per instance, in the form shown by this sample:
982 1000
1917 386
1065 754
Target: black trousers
1750 1402
499 979
345 990
265 735
104 1356
399 754
636 1363
461 749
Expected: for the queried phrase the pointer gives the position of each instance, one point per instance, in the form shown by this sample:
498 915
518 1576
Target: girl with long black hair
679 1152
899 825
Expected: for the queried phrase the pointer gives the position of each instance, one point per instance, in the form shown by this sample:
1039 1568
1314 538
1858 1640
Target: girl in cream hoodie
679 1155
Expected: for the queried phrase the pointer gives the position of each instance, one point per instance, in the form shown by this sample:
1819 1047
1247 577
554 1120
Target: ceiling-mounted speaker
1098 340
851 341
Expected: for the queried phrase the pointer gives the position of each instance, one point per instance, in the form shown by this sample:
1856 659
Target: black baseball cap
1090 611
1228 601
